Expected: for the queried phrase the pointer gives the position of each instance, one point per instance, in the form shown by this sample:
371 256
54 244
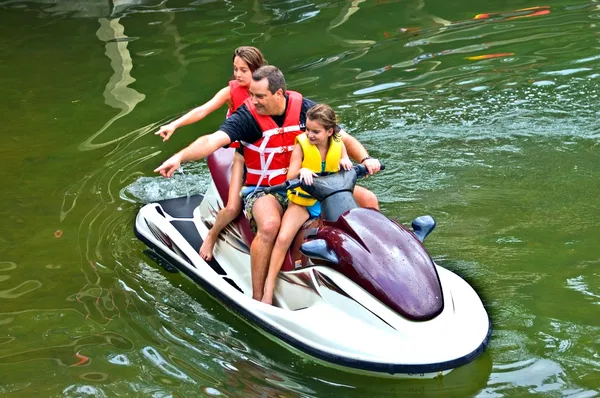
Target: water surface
487 122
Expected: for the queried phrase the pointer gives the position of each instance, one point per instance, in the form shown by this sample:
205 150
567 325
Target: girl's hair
251 55
325 116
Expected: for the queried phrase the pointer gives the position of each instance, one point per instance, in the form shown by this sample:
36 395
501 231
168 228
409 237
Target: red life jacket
268 159
238 95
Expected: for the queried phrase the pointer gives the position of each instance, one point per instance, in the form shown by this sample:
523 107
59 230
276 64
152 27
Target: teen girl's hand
307 176
166 131
345 163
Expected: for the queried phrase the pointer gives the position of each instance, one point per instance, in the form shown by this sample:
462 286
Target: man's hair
273 75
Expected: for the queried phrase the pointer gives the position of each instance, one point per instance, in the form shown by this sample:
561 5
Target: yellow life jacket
312 161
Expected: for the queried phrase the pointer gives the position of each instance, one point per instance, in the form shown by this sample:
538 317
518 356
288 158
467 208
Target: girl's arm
296 168
345 161
295 162
237 175
196 114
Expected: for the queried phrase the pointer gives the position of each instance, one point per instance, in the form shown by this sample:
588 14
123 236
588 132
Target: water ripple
20 290
489 123
580 284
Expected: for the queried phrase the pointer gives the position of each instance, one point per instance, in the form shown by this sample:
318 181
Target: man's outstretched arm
197 150
358 153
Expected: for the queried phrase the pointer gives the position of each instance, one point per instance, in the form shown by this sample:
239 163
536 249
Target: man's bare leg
267 213
365 198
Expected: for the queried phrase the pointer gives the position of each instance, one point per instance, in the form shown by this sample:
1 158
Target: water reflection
117 93
78 9
347 11
465 381
445 73
20 290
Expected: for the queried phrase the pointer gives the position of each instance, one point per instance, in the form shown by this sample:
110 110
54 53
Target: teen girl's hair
325 116
251 55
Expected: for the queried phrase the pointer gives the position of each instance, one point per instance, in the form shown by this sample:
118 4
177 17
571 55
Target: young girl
245 61
319 151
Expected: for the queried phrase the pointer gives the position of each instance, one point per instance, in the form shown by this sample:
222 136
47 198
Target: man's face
265 102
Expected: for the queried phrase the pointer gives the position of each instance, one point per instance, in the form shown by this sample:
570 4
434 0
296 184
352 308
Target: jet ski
362 293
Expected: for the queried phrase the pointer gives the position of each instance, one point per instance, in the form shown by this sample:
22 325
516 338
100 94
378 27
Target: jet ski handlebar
359 169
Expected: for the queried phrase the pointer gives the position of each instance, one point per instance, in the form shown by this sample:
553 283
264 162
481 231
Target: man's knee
269 228
267 212
366 198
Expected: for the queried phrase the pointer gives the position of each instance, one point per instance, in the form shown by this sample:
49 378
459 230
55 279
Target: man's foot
267 300
206 250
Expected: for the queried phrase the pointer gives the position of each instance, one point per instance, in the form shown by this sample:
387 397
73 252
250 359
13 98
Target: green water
501 151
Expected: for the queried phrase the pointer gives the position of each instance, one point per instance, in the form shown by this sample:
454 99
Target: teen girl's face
316 133
242 72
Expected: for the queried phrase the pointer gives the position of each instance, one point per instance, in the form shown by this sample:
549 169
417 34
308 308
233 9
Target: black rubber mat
188 230
181 207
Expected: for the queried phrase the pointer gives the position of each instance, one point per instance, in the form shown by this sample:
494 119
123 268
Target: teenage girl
245 61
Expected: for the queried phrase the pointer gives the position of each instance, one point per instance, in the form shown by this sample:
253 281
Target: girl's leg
230 212
292 220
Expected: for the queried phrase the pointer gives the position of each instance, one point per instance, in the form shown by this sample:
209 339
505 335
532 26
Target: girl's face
316 133
242 72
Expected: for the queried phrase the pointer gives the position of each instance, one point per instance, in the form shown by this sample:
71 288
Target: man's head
268 90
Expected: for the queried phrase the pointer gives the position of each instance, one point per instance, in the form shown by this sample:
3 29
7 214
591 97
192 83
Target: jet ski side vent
232 283
167 242
325 281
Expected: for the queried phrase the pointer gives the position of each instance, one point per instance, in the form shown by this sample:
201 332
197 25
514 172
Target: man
266 125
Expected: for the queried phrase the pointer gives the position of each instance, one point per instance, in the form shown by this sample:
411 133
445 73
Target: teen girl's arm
196 114
345 162
237 178
359 153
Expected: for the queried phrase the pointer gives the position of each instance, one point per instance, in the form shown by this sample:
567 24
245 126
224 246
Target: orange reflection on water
523 13
488 56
